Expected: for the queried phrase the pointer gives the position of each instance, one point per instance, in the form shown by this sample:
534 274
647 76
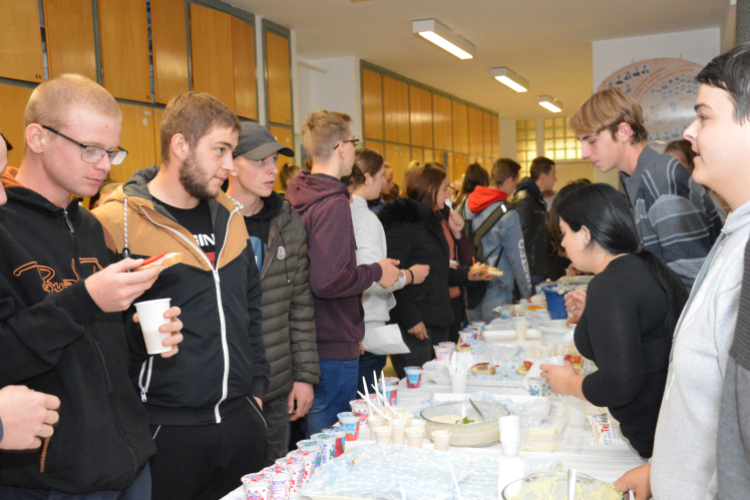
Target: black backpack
477 289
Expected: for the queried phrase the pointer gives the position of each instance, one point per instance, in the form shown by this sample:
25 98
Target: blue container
555 302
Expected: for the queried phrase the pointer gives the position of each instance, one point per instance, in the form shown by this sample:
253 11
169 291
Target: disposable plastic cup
314 448
350 423
413 377
576 412
521 325
458 382
281 483
298 474
151 317
537 386
256 486
442 353
383 434
308 461
414 436
510 429
441 440
328 451
556 360
340 434
397 435
391 393
510 449
375 421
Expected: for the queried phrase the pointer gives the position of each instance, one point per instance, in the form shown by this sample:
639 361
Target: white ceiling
548 42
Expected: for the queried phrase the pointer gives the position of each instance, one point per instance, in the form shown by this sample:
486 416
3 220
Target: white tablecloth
600 461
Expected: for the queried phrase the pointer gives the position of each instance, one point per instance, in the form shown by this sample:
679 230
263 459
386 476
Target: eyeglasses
353 141
8 147
93 154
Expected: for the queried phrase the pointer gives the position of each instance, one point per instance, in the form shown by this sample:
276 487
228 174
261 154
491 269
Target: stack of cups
522 325
414 436
413 377
510 435
383 433
257 486
441 440
458 382
576 411
397 435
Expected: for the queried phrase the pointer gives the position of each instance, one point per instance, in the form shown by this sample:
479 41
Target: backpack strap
487 225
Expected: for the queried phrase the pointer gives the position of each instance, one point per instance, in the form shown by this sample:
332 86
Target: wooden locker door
245 97
211 52
417 154
390 107
123 40
460 162
460 127
13 101
158 114
415 116
138 138
426 103
487 134
21 41
475 132
169 38
402 99
429 155
376 146
284 137
372 102
438 122
495 137
69 29
279 79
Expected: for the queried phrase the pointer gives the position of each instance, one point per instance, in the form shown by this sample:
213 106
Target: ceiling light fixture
439 34
509 78
549 102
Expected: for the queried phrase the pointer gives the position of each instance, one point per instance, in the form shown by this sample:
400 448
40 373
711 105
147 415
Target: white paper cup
151 317
441 440
397 436
556 360
383 434
414 436
521 325
458 382
510 429
537 386
510 449
576 412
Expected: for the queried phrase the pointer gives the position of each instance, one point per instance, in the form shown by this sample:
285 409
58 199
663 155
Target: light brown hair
425 182
194 114
52 101
286 174
411 170
367 161
504 169
322 131
606 110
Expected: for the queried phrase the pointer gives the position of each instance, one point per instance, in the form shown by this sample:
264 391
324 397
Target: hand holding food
114 288
482 272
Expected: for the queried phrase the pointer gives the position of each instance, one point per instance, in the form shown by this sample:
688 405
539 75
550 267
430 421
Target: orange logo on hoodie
47 274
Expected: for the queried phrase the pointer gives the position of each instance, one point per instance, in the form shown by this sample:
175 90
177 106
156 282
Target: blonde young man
674 215
204 408
61 321
335 279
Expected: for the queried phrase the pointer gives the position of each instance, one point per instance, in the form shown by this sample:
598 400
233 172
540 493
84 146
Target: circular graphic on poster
666 90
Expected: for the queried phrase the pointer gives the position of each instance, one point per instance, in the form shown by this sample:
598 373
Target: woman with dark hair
475 176
633 305
365 183
558 259
415 235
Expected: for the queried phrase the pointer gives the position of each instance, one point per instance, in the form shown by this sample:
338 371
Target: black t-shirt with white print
198 221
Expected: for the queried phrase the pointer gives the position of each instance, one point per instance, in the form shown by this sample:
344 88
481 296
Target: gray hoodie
684 460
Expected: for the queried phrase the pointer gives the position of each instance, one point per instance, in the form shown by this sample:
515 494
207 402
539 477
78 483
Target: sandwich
164 260
483 369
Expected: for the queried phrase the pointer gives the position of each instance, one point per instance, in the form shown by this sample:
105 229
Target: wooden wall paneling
157 116
212 60
460 162
123 41
495 136
487 134
476 136
372 102
429 155
417 154
69 31
169 45
442 123
425 98
415 116
446 159
245 93
402 99
21 41
13 101
390 108
391 157
138 138
284 137
376 146
460 127
278 79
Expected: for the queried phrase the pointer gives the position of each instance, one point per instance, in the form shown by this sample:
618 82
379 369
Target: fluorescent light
509 78
549 102
439 34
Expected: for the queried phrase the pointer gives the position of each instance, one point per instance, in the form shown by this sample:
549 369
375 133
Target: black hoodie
529 202
55 339
259 225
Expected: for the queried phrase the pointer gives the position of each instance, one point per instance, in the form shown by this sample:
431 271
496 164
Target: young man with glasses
61 321
336 281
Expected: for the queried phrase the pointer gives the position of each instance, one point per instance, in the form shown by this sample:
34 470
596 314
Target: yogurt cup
340 434
314 448
397 435
441 440
383 434
391 393
280 483
256 486
537 386
442 353
328 451
350 423
413 377
414 436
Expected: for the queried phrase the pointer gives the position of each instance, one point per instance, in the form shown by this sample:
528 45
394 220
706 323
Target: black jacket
222 357
529 202
415 236
55 339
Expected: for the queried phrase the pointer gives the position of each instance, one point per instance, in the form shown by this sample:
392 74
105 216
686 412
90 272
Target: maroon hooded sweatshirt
335 279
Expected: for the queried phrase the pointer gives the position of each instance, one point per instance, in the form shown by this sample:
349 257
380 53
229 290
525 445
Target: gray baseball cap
257 143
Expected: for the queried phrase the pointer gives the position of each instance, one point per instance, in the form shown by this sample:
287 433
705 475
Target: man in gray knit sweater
674 215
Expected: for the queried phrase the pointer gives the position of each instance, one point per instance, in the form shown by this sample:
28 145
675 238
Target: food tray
477 434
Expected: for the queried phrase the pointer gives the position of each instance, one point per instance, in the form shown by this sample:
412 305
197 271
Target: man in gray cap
279 242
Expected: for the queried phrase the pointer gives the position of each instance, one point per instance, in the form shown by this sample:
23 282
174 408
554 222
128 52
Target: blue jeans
494 297
139 490
338 386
